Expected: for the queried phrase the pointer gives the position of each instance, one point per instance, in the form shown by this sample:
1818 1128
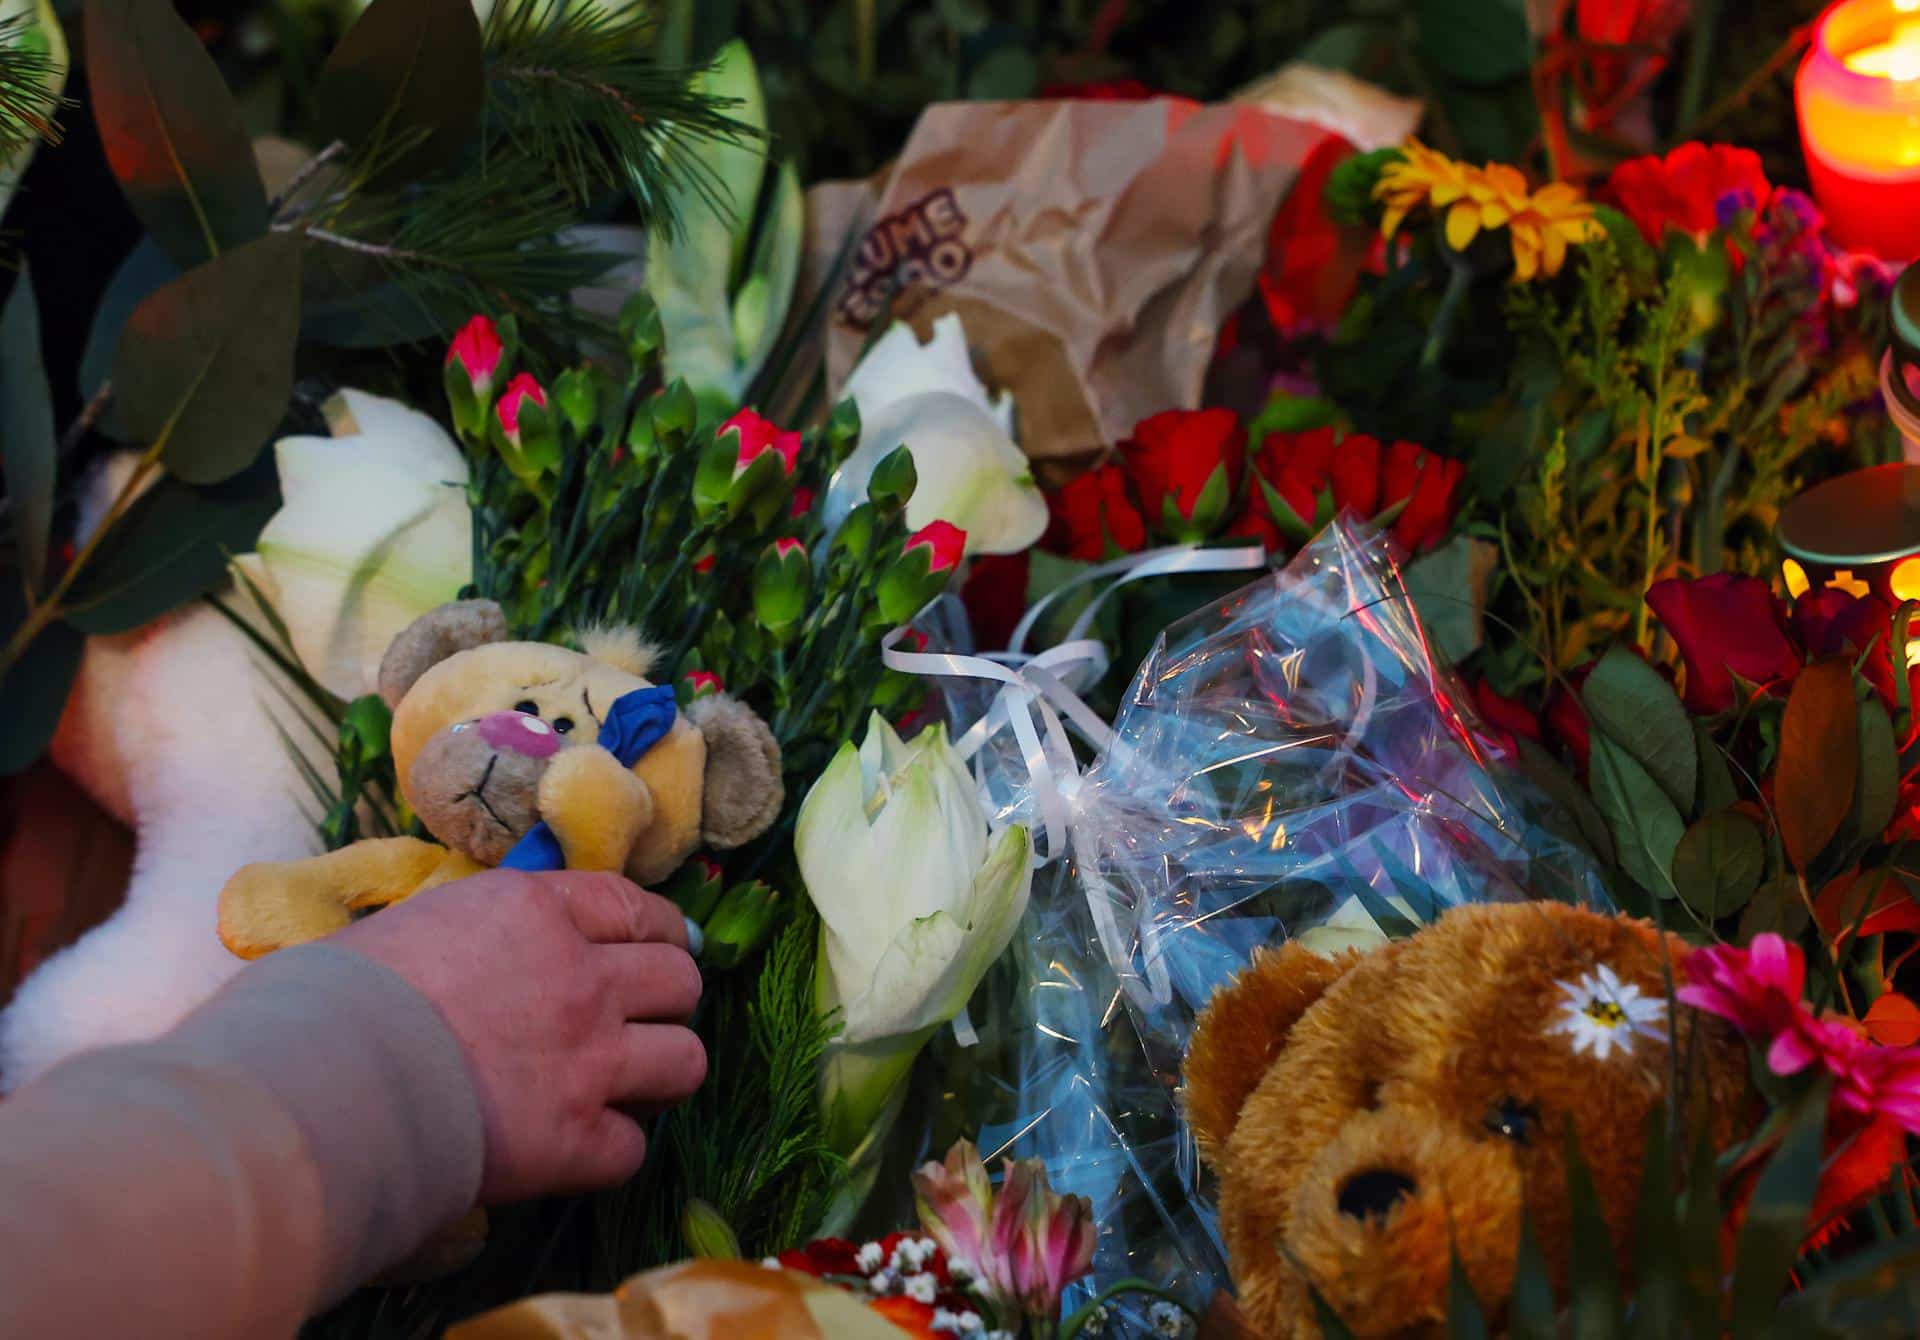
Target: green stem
1700 59
1459 281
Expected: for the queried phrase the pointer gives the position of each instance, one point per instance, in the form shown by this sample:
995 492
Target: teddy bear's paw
743 792
596 807
270 905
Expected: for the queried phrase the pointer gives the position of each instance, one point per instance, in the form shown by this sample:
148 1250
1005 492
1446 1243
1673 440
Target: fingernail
696 938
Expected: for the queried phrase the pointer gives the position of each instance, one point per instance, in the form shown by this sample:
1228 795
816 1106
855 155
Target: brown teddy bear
492 738
1371 1115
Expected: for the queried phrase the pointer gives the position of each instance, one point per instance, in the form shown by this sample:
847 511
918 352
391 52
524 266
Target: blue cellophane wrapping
1288 763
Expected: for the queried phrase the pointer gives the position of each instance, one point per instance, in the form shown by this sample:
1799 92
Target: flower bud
578 394
750 463
921 572
843 430
740 924
674 414
696 887
891 485
707 1235
781 582
702 684
643 447
475 360
366 725
640 328
855 536
525 429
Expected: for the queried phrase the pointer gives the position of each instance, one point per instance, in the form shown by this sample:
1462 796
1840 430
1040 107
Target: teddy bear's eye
563 724
1513 1120
527 705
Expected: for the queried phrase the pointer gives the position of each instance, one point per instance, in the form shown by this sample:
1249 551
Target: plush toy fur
460 694
1354 1111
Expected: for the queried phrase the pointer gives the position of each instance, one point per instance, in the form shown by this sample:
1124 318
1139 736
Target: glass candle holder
1858 97
1858 532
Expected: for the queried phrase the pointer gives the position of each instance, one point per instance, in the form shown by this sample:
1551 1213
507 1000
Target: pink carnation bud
704 565
704 682
944 541
802 502
709 868
478 350
758 436
914 640
788 547
522 388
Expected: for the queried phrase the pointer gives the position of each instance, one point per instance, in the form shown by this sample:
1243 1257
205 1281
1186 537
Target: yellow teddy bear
493 740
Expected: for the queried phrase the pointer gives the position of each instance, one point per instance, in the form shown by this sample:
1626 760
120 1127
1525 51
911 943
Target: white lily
1352 927
916 899
373 531
971 473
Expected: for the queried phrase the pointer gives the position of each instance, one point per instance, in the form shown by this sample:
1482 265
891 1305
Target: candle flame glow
1896 58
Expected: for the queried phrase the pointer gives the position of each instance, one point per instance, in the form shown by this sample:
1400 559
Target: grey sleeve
307 1126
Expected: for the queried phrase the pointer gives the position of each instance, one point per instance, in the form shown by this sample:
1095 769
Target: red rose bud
1425 487
739 925
1832 622
473 360
1094 518
782 580
1724 625
578 395
1294 472
756 438
696 887
1185 469
920 573
890 487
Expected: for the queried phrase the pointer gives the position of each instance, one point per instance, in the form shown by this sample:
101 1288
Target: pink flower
1054 1239
709 868
478 350
1756 989
944 542
522 388
758 436
956 1202
788 547
704 682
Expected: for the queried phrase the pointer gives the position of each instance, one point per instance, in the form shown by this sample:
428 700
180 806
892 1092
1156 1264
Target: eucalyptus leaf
1776 1220
1718 864
172 547
29 450
171 131
1634 706
1646 826
1777 906
206 362
145 269
409 73
35 686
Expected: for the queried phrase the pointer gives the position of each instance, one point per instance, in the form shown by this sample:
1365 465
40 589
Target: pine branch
27 73
577 89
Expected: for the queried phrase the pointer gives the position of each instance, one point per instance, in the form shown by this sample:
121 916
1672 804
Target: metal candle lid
1864 517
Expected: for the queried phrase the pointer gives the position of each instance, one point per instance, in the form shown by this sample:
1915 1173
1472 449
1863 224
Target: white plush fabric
171 729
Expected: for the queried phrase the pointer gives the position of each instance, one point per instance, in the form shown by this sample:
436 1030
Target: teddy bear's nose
1373 1192
519 733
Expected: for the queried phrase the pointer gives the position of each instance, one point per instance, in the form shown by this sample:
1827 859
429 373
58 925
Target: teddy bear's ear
618 646
1242 1031
434 636
743 791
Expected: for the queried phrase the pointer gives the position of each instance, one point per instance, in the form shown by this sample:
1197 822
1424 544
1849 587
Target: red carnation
757 436
1685 189
1185 469
944 543
1724 625
1093 516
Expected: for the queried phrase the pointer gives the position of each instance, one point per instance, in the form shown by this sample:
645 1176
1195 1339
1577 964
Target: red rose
1608 80
1429 483
1830 622
1566 718
1294 469
1093 516
1313 264
1185 469
1100 90
1507 714
1684 190
995 594
826 1256
1724 625
1254 524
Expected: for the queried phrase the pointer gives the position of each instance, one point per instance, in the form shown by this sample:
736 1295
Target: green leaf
35 686
1465 1318
1007 75
1646 826
1777 906
1877 790
1630 702
1717 790
28 449
1656 1242
1718 864
1700 1238
1448 597
1474 41
171 131
172 547
1532 1313
1776 1222
206 362
775 270
1875 1292
1343 46
1818 761
409 72
1583 821
145 269
1593 1281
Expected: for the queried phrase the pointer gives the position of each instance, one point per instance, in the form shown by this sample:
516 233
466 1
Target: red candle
1858 94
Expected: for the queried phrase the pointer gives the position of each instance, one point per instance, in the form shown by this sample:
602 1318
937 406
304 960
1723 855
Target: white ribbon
1133 568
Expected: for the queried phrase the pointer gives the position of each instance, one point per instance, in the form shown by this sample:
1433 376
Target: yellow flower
1540 225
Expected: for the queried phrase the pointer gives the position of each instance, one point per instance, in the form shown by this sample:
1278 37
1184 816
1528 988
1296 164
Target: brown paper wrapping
1093 249
695 1300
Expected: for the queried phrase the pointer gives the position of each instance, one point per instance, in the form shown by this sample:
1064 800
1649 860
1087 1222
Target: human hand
568 992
